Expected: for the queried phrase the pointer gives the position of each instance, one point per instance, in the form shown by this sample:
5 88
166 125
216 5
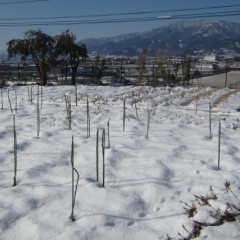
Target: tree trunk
42 70
74 76
44 79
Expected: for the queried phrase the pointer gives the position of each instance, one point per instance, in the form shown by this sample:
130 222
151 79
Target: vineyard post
41 97
219 144
124 113
70 113
74 189
10 103
103 155
136 109
67 105
2 98
97 155
197 103
108 127
15 101
76 95
148 123
38 115
88 120
210 121
15 152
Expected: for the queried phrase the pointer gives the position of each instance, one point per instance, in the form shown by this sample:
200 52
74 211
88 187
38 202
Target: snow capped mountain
185 37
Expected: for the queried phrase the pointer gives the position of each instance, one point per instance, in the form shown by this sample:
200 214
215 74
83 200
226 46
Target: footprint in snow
110 224
130 223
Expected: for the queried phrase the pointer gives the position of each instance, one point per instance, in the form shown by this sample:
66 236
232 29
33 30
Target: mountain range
184 38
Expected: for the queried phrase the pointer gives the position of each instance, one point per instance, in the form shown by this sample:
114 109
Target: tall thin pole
38 114
219 144
148 123
226 76
72 162
108 127
92 72
124 114
103 155
88 120
41 97
2 98
121 73
76 95
97 155
15 152
153 76
210 120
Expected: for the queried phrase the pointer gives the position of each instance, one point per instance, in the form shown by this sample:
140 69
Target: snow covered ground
148 181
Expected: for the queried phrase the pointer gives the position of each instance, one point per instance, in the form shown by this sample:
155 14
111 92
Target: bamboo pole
2 98
108 133
15 152
148 123
97 155
38 114
124 114
88 120
74 188
103 156
219 144
210 121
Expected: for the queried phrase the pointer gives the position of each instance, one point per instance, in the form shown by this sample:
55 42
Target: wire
119 20
120 14
124 20
24 1
211 14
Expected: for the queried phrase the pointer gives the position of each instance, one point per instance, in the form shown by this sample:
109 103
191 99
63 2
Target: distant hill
185 37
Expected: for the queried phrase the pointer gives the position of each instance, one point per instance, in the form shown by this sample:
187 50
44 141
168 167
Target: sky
12 10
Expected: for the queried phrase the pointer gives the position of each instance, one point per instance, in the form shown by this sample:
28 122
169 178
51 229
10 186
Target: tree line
46 50
165 68
63 50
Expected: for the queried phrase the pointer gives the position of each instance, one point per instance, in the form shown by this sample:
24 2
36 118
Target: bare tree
142 63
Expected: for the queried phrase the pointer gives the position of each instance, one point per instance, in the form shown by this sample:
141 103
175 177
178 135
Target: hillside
185 37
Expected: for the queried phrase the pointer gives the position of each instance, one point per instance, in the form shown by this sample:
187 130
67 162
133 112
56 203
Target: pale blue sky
61 8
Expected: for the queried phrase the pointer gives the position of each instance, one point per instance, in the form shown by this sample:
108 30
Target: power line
24 1
210 14
118 14
124 20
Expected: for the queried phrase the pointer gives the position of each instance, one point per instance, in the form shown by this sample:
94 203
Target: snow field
146 178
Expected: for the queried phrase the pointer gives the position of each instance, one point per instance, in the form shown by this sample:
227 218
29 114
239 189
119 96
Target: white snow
148 180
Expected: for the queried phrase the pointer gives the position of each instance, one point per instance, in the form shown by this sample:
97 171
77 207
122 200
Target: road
233 77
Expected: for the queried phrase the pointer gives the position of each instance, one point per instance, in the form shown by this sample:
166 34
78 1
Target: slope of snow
147 179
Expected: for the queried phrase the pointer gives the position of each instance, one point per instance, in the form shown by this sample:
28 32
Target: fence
127 73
